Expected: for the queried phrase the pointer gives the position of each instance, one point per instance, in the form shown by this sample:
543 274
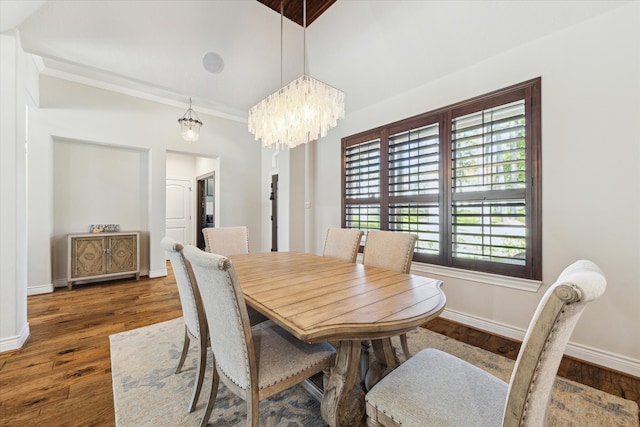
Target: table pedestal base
385 361
343 400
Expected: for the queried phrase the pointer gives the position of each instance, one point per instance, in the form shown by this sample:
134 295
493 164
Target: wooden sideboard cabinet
103 255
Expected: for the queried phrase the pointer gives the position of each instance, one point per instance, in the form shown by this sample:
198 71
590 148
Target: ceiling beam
293 9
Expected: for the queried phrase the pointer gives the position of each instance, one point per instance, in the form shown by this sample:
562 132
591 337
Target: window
464 178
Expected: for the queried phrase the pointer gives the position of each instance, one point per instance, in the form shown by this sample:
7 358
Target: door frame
274 212
201 204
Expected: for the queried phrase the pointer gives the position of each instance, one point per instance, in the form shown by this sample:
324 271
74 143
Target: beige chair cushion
434 388
281 355
342 243
226 240
392 250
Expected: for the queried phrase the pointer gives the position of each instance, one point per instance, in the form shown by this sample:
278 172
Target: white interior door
179 207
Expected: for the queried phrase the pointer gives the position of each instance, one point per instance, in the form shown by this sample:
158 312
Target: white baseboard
59 283
589 354
484 324
15 342
40 289
157 273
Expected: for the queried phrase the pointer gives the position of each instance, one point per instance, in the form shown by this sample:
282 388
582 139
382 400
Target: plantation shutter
464 178
489 183
362 185
414 186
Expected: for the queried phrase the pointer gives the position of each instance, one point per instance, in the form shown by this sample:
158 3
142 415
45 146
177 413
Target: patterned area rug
146 391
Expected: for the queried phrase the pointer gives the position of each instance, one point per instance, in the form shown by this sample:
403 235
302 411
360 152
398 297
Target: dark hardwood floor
62 375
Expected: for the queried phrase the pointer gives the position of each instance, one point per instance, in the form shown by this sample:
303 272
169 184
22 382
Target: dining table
318 298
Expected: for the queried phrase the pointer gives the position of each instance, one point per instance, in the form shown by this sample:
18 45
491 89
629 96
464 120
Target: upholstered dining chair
392 250
436 388
226 240
195 326
253 362
230 241
342 243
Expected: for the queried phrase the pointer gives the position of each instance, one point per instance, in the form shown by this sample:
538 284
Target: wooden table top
319 298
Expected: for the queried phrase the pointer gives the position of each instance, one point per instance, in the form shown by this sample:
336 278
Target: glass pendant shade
190 126
300 112
190 129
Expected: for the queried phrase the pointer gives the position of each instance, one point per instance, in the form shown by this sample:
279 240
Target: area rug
146 392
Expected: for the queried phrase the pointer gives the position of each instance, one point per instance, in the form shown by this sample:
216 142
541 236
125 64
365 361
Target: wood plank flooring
62 375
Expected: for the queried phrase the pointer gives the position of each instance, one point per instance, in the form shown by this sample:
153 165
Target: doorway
179 210
206 206
274 213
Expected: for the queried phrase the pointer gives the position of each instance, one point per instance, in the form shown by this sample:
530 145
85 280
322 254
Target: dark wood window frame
438 205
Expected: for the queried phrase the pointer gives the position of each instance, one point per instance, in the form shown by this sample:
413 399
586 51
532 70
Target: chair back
192 310
392 250
226 240
545 341
227 317
342 243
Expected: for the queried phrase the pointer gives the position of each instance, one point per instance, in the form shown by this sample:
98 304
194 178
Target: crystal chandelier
298 113
189 126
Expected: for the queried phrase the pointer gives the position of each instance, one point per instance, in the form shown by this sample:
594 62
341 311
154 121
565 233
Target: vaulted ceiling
370 49
295 9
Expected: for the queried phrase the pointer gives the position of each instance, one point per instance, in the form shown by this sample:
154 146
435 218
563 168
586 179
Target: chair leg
213 393
373 423
185 350
252 412
405 346
202 367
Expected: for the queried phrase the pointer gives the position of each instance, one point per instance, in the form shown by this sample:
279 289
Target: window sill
476 276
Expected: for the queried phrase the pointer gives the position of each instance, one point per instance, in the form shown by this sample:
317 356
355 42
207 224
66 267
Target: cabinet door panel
123 256
88 257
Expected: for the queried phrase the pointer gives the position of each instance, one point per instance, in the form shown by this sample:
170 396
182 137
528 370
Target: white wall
180 165
283 168
270 160
14 328
98 131
295 189
591 183
97 184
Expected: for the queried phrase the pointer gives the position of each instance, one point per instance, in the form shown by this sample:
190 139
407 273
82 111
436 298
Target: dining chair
392 250
253 362
230 241
195 326
342 243
226 240
436 388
